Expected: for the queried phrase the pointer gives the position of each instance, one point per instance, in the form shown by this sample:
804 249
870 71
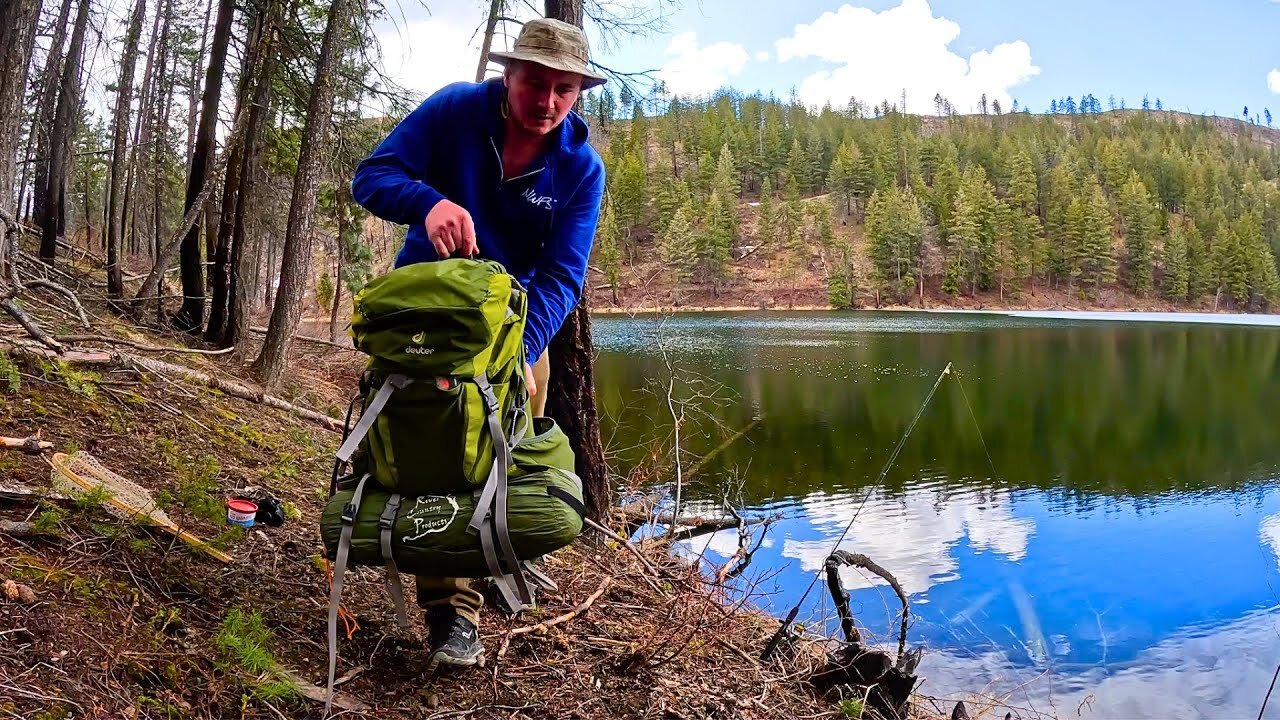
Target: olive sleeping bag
429 532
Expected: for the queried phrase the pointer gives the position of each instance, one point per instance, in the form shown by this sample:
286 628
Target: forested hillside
748 200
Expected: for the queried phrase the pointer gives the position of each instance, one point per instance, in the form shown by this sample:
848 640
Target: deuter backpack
450 473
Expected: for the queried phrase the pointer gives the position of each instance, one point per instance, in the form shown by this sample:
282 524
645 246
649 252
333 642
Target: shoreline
1170 316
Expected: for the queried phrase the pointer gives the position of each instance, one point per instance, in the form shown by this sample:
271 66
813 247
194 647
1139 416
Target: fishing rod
776 640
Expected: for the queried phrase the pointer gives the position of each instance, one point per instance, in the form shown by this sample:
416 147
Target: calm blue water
1117 555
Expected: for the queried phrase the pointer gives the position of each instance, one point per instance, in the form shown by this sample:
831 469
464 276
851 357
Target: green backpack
450 471
445 341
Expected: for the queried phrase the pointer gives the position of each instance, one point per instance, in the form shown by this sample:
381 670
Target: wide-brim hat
555 44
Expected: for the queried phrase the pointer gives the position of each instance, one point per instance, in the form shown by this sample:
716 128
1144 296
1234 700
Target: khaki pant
457 592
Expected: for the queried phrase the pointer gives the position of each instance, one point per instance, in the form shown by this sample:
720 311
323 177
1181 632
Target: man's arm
557 282
389 183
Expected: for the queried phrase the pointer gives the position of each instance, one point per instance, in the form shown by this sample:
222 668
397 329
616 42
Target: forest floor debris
113 619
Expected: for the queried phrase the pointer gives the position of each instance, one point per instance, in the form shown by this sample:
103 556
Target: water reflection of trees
1096 409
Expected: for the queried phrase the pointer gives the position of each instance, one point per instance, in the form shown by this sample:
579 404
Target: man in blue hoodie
500 169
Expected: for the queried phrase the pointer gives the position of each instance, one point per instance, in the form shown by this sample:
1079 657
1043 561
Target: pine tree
942 196
972 236
838 179
1200 274
895 229
765 224
795 259
1022 182
1174 263
726 185
861 179
629 192
1138 214
1097 262
715 240
677 247
607 254
797 170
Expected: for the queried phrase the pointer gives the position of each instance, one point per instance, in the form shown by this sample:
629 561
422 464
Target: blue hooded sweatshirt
540 225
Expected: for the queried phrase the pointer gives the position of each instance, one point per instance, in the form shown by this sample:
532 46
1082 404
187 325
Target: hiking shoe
452 640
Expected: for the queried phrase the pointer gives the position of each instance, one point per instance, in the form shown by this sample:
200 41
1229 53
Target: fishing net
81 474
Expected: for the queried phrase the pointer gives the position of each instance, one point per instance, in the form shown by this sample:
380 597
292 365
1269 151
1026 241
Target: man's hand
450 229
528 380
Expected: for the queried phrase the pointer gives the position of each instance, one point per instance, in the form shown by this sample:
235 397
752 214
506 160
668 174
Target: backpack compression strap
490 517
386 524
394 382
335 595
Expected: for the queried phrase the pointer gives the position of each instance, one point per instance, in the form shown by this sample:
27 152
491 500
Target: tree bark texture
255 83
190 317
120 151
17 34
342 206
64 128
491 24
296 266
169 251
572 398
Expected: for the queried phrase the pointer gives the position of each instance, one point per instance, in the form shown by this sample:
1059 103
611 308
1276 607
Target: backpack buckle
387 523
349 513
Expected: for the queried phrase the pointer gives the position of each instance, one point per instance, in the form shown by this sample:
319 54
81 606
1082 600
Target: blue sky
1206 57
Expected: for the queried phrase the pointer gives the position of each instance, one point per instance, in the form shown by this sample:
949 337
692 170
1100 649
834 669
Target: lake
1101 535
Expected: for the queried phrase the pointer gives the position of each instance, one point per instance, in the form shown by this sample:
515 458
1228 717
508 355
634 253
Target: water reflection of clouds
912 533
1219 672
1269 532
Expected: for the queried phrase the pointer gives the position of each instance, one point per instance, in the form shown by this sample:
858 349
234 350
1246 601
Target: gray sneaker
453 640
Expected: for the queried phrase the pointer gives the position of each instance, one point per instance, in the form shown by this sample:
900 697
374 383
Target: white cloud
763 55
913 534
693 70
426 51
879 55
1202 671
1273 77
425 55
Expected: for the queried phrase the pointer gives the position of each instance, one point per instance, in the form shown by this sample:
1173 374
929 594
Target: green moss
10 378
198 489
851 708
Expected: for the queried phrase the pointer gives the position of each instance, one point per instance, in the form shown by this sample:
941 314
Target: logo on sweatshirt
542 201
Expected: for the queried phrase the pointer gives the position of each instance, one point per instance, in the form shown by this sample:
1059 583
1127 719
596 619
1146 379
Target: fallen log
30 445
230 387
139 346
694 526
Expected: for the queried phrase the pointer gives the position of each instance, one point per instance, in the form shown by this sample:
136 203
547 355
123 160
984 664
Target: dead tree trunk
43 127
342 209
572 398
142 153
169 251
254 85
491 24
197 64
242 293
120 151
190 317
64 129
17 33
160 153
296 268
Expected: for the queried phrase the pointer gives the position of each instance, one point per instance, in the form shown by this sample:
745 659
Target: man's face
540 97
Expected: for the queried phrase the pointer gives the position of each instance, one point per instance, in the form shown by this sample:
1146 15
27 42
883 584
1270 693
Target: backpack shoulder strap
393 382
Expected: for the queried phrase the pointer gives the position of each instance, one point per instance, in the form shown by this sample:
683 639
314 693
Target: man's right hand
450 230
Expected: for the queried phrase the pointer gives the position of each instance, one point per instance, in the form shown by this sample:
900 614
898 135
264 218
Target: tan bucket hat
555 44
